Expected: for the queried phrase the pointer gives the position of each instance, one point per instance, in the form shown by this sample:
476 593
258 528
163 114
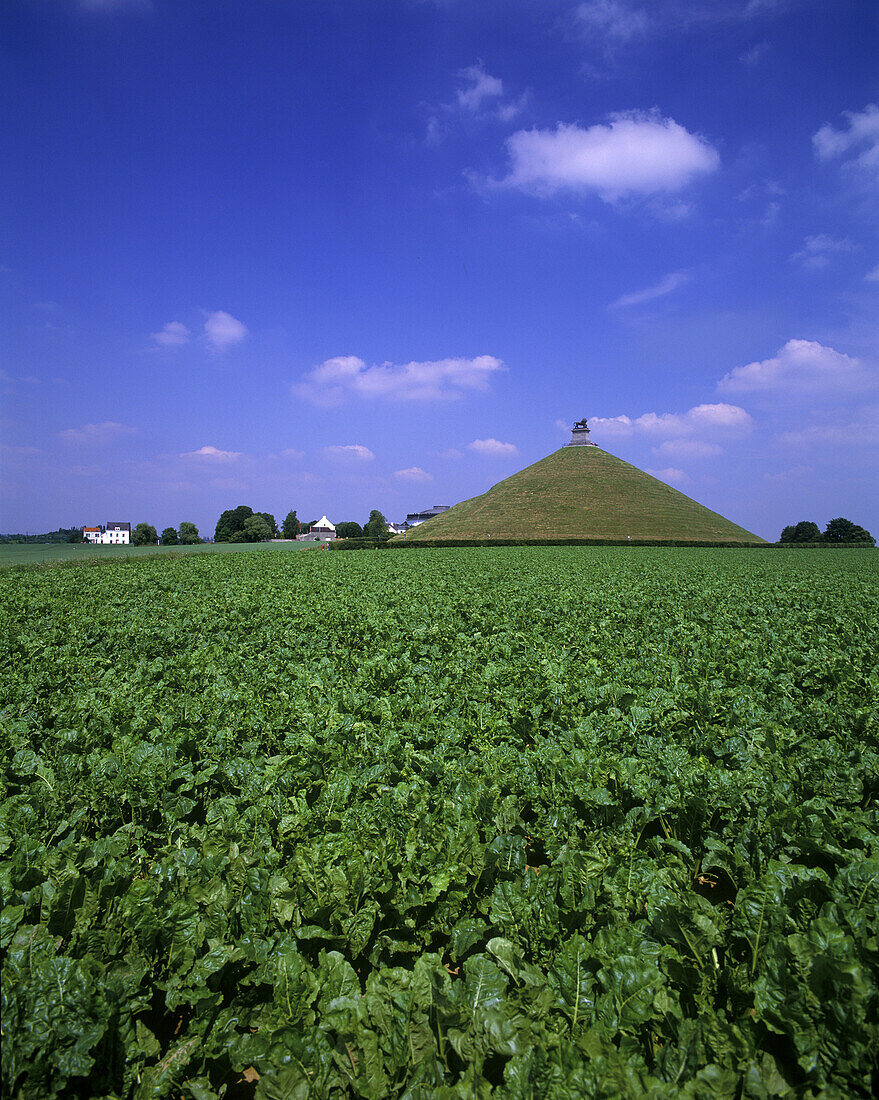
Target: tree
290 526
843 530
804 531
144 535
188 534
348 529
376 526
270 520
170 537
75 535
256 529
231 522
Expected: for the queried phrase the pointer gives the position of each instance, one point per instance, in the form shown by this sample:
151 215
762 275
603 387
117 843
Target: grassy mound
582 492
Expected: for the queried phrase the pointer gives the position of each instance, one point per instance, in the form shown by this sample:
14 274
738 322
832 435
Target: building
414 518
118 533
320 531
114 534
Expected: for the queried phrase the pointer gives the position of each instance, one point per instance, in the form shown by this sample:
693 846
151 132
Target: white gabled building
114 534
319 531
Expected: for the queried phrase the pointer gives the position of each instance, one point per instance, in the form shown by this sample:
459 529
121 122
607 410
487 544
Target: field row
548 822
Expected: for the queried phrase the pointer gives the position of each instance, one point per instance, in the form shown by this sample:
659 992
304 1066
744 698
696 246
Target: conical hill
581 493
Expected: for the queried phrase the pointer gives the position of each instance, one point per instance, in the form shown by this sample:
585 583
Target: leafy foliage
170 537
376 526
291 525
242 524
144 534
348 529
843 530
188 534
256 529
838 532
558 822
231 523
804 531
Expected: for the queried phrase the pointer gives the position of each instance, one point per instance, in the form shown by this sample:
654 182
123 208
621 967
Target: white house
115 534
319 531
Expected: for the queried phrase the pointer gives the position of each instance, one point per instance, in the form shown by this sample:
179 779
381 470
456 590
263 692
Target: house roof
323 524
91 529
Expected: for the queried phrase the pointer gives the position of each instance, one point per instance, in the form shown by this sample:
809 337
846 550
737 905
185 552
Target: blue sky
337 256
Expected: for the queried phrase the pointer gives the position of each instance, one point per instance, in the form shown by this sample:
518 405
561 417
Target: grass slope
581 492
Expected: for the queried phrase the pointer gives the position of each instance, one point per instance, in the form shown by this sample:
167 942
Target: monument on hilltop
581 492
580 435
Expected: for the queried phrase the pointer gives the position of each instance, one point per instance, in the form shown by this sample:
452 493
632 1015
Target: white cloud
802 367
222 330
793 474
670 473
861 136
483 95
770 215
345 376
817 250
413 473
354 451
615 20
755 54
213 454
291 452
700 420
873 276
449 452
480 96
172 335
23 379
105 432
636 153
621 21
688 448
863 431
493 447
481 88
612 427
19 452
666 285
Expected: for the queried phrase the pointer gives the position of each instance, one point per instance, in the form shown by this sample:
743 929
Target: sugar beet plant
538 823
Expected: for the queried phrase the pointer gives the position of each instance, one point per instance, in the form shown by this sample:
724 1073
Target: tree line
242 524
838 531
144 534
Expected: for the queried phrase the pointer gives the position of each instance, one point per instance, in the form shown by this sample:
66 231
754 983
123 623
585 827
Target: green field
525 822
16 553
